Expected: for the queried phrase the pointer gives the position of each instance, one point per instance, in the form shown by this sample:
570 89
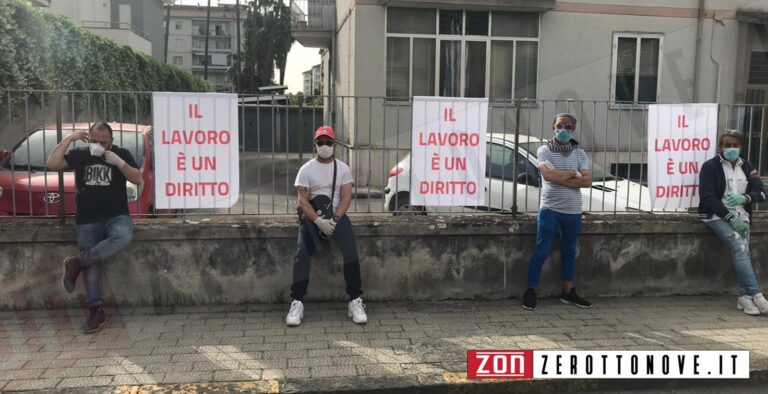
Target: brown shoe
71 272
95 320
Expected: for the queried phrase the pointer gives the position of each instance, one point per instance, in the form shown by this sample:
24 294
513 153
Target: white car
608 193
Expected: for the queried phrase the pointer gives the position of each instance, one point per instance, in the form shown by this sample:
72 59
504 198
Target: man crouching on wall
324 187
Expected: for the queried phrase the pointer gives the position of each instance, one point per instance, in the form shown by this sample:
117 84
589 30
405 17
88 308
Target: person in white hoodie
324 187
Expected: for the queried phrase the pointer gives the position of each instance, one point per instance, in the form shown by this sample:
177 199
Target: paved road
404 345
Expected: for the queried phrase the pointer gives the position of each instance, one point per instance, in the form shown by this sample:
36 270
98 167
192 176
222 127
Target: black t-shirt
100 187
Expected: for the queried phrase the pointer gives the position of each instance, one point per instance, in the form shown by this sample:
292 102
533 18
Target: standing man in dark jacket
103 223
728 186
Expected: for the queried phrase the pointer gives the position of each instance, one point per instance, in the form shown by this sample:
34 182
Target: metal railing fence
313 14
374 137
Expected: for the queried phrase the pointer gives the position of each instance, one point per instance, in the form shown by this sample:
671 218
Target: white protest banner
681 137
448 151
196 150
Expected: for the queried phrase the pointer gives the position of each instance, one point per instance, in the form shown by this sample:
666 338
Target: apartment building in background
186 40
603 60
312 81
135 23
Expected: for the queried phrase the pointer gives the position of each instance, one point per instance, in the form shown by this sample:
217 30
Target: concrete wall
97 15
148 17
370 52
241 259
152 25
82 10
125 37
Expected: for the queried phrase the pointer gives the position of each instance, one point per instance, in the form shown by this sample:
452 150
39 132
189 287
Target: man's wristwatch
336 218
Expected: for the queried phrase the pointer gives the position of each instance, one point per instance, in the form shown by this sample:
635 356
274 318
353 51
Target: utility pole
207 33
167 30
239 59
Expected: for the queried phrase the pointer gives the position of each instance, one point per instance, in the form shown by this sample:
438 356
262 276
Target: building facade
313 81
603 60
135 23
186 41
307 77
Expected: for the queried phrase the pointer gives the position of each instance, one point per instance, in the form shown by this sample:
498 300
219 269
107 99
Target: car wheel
404 207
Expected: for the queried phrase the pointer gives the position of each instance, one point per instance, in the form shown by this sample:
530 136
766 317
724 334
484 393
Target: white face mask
325 151
96 149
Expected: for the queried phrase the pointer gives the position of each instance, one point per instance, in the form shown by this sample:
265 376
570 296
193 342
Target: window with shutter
636 66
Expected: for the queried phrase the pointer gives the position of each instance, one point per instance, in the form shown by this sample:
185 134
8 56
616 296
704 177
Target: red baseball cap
326 131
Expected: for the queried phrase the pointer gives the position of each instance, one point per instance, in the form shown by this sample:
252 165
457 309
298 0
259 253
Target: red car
28 188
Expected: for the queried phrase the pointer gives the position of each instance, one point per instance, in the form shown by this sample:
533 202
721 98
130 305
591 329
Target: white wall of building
126 37
136 23
575 62
83 10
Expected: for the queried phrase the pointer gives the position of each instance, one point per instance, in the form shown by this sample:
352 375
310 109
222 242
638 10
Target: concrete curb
455 383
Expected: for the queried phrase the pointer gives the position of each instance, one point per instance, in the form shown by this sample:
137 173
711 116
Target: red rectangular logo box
500 364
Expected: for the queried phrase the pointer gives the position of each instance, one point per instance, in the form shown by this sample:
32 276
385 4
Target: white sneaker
357 311
746 304
295 314
761 303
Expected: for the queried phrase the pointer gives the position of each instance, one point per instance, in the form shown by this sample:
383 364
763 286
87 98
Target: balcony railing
313 15
115 26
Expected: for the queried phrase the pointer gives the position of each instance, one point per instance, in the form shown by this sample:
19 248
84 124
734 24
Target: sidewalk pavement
404 345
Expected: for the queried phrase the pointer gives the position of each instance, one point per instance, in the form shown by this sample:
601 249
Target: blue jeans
97 243
344 238
549 224
740 255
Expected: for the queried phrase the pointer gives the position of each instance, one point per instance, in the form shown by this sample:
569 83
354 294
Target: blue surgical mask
563 135
731 154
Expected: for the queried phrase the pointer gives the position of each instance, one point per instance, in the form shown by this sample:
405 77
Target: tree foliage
42 51
267 43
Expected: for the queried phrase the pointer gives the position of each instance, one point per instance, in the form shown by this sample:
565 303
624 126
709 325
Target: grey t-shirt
556 197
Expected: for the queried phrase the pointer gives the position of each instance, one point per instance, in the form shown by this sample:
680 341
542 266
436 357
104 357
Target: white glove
113 159
326 226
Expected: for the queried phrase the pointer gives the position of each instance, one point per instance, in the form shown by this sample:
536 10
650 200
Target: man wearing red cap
324 187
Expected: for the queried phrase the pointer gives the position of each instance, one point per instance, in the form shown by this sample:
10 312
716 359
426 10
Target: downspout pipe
167 31
332 67
696 62
712 57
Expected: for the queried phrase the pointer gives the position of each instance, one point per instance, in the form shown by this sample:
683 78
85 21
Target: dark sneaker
529 300
95 320
573 299
71 272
